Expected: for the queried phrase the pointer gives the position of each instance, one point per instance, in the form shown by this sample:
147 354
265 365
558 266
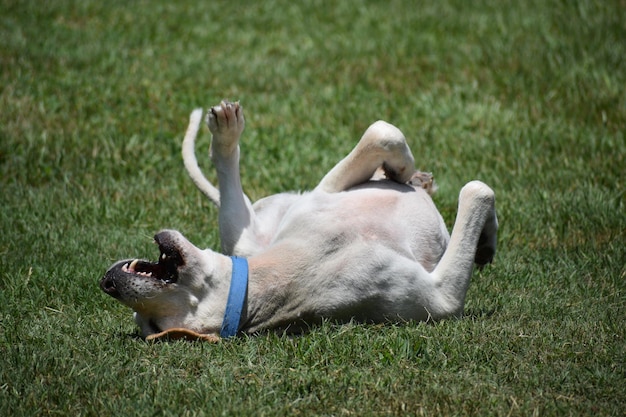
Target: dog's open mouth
164 271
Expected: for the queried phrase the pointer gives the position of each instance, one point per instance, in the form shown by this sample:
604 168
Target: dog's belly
378 214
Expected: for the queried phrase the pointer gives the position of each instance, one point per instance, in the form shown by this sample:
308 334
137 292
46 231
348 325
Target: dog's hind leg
226 122
382 145
475 228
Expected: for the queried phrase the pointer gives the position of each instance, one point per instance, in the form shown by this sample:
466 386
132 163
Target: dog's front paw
226 123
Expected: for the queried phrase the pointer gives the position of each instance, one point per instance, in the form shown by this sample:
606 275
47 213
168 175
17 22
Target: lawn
527 96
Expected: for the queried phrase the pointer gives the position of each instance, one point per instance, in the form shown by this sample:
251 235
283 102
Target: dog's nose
107 284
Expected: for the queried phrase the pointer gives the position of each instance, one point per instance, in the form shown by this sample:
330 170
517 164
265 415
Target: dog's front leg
382 146
226 123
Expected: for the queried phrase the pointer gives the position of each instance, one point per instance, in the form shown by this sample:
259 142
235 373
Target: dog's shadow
470 314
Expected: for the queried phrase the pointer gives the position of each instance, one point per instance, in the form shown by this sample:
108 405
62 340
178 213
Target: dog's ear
185 334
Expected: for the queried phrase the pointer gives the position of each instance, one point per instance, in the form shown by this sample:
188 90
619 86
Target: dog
366 244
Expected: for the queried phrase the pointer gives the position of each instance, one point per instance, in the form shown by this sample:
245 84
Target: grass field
528 96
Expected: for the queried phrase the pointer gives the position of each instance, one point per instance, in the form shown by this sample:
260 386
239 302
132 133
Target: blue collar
236 297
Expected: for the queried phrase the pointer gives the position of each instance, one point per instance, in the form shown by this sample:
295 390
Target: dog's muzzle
164 271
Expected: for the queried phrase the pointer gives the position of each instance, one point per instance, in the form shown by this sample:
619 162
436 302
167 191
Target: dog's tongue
184 334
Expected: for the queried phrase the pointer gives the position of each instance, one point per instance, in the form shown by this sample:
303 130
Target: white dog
367 244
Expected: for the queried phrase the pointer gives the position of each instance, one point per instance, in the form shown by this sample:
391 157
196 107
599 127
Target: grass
527 96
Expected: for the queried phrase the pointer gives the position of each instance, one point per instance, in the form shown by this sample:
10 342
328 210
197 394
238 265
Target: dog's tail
191 163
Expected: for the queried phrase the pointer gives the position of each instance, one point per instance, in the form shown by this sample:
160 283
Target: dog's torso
370 238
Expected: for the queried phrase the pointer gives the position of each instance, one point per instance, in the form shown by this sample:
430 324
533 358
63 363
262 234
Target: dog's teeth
163 256
132 265
125 267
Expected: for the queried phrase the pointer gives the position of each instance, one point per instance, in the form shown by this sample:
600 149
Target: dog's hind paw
487 242
423 180
484 253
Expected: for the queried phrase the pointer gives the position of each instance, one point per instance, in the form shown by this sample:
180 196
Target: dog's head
179 295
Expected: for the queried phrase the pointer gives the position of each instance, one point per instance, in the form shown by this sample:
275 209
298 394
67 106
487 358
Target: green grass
527 96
